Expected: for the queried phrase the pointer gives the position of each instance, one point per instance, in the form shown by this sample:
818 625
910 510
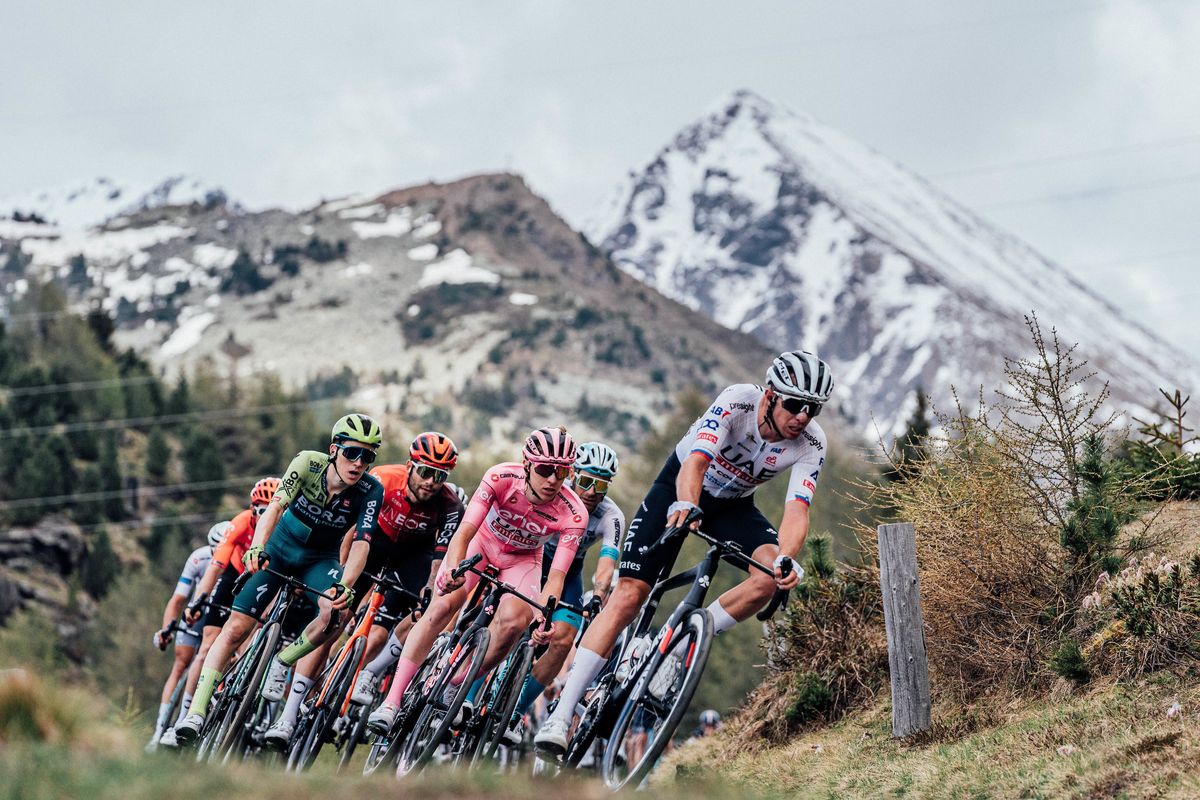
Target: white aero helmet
597 458
459 492
802 375
218 532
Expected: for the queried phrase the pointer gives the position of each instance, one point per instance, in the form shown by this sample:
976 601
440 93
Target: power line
58 388
1083 155
90 497
166 419
1097 191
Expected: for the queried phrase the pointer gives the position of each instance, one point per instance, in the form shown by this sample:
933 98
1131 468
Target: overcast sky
1073 123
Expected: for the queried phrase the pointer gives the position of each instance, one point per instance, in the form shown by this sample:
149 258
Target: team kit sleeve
611 527
368 514
482 500
453 516
710 431
802 483
190 577
289 487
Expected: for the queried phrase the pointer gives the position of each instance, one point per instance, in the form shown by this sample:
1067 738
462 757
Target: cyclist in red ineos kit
749 435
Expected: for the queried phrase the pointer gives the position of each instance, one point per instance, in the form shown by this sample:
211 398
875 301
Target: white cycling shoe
551 739
276 681
364 689
168 739
279 734
187 729
382 719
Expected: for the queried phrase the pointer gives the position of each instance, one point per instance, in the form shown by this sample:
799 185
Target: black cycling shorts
736 520
222 595
412 573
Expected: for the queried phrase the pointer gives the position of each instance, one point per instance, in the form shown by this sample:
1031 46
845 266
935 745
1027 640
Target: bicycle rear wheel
660 697
326 714
385 750
437 715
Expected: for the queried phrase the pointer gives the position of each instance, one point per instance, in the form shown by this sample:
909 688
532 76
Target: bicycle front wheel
504 703
658 701
438 713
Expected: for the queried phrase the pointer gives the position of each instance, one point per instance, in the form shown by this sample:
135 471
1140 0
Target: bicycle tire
500 711
429 728
324 716
357 731
270 636
386 749
222 704
595 711
692 642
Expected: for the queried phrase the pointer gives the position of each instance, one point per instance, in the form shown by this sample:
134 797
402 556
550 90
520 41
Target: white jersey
193 571
605 525
740 459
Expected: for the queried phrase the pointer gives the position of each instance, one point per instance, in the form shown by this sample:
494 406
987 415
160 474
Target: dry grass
1110 741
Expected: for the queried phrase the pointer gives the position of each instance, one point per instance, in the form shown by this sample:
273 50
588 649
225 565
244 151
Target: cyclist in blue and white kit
749 435
594 469
187 637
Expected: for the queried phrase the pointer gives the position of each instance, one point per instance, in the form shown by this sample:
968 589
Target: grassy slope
1115 740
1111 741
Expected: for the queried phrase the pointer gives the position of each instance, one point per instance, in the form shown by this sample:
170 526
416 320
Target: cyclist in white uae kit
749 435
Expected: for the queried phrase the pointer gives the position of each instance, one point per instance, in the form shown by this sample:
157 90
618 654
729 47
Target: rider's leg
183 657
747 597
231 637
626 600
421 639
211 632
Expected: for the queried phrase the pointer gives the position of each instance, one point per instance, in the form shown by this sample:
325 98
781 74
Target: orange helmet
434 449
263 491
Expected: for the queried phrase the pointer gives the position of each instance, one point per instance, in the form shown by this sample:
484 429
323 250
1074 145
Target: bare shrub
1010 535
826 654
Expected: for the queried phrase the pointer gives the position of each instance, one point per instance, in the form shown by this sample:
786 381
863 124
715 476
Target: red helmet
434 449
550 446
263 491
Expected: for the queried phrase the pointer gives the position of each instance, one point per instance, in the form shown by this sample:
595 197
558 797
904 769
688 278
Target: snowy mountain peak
76 206
776 224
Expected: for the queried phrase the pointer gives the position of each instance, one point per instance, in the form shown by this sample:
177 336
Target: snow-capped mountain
777 225
83 205
469 300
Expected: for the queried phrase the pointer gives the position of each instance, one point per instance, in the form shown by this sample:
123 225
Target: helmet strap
771 414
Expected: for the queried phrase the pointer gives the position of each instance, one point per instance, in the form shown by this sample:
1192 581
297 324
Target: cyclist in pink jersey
517 508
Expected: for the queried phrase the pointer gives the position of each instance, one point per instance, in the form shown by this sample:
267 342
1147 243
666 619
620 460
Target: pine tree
158 455
100 567
910 449
110 479
203 463
89 512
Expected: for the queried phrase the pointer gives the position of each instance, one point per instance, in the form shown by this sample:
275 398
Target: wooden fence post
907 659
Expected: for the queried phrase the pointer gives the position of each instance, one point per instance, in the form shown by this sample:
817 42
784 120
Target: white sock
584 669
387 657
300 686
721 618
185 704
163 710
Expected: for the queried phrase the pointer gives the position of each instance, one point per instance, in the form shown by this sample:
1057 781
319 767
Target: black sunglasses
794 405
356 453
428 473
546 470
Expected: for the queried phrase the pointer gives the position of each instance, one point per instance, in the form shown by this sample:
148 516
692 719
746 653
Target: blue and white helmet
802 375
218 532
596 458
710 717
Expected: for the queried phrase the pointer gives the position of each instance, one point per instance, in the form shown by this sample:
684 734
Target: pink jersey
500 511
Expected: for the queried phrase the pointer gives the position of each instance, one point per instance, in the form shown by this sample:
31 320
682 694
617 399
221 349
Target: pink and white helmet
550 446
